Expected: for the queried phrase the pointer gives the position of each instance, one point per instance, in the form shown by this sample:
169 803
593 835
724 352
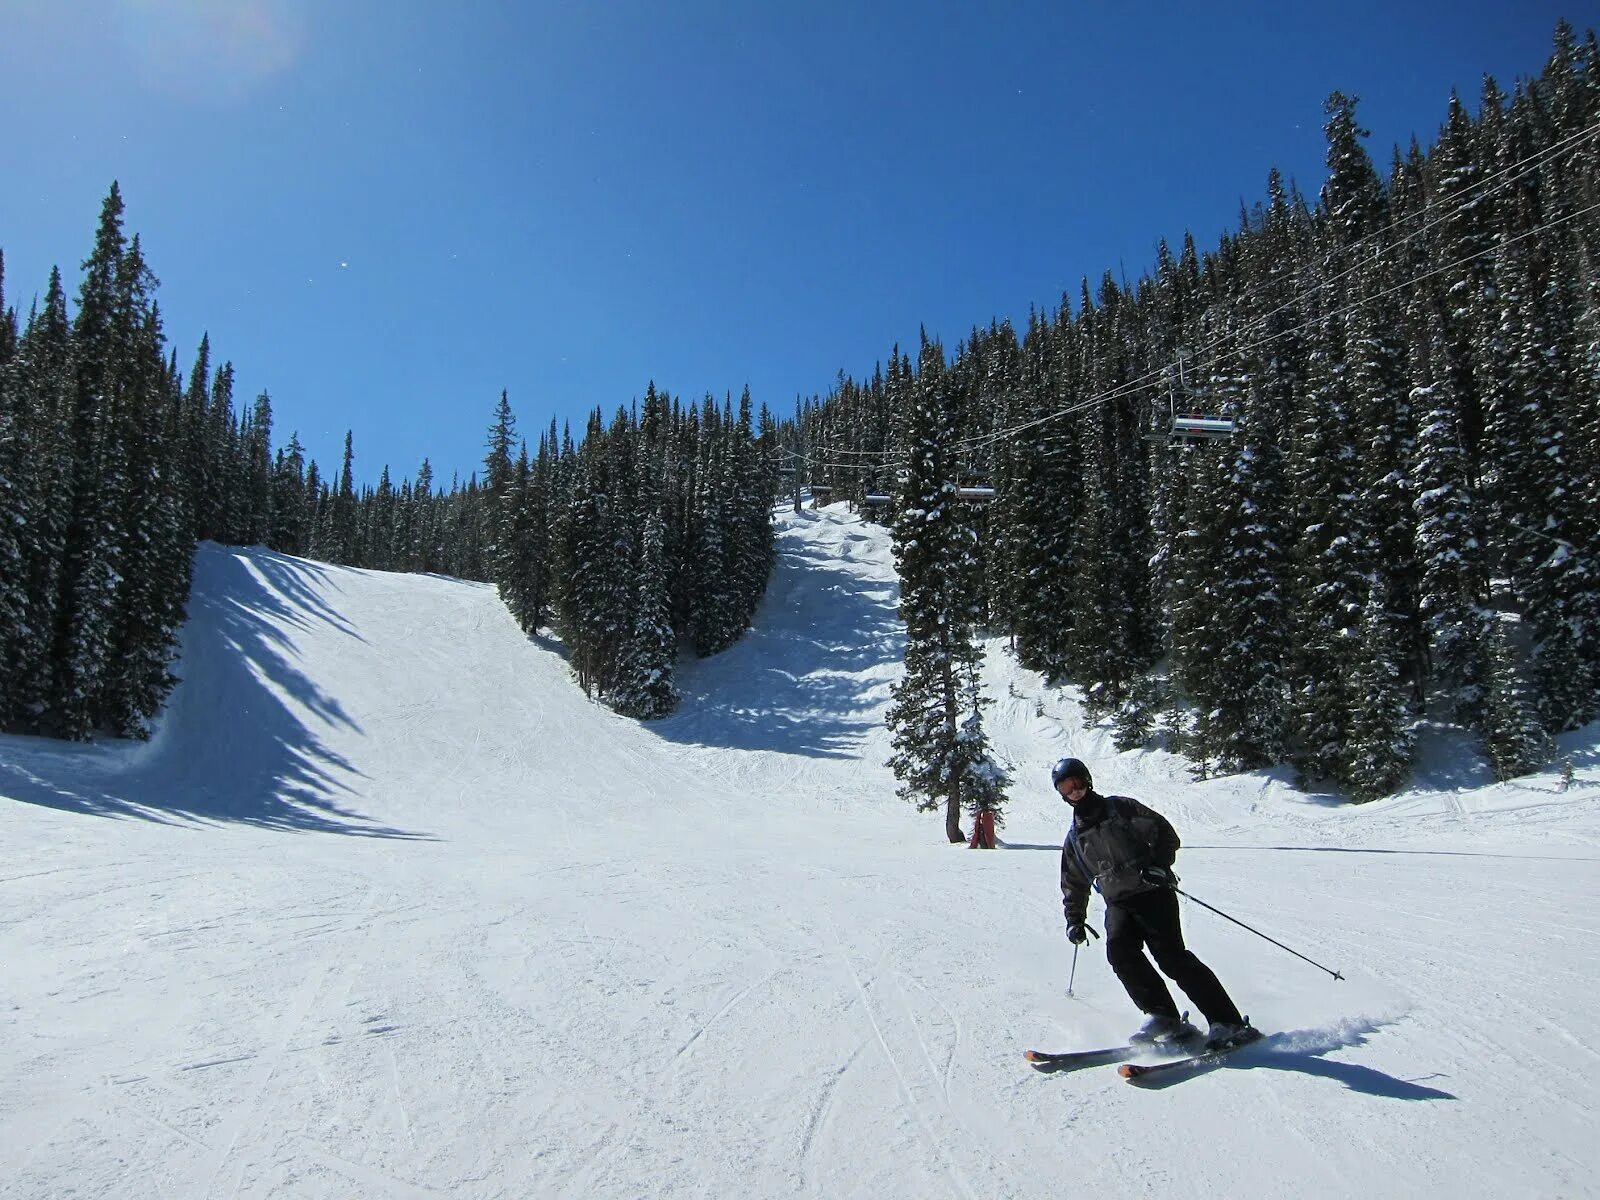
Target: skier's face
1072 790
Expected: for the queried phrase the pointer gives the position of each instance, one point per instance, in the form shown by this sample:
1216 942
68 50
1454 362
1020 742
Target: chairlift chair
1192 427
1189 425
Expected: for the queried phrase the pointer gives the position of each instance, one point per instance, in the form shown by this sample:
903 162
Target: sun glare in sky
209 50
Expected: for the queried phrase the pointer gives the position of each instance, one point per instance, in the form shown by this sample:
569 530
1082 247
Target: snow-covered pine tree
585 602
500 479
337 533
94 545
644 687
514 556
1462 238
424 551
291 514
1384 523
940 750
157 558
753 540
711 619
531 528
16 506
42 380
1250 690
217 500
1175 311
1514 740
1034 518
1112 640
1324 470
1328 586
255 447
984 779
1452 585
1380 748
1248 695
1199 637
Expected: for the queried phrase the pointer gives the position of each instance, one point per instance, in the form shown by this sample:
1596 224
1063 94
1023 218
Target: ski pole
1257 932
1074 974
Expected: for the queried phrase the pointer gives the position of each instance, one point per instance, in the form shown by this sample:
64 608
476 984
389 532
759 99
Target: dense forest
1278 501
653 531
1391 516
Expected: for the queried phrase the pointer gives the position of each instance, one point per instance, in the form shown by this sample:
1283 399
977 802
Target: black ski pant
1150 920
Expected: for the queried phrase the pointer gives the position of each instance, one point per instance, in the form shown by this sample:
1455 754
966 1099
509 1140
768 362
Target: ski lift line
807 459
1135 384
824 464
1531 161
1124 389
859 453
1138 382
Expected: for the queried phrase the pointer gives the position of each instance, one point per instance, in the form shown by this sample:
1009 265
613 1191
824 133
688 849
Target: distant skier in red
1125 851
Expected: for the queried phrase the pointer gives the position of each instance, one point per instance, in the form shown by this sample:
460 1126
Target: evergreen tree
256 447
290 531
940 754
1380 748
1112 641
644 687
342 524
1329 586
499 475
16 507
1453 583
94 546
41 380
1249 699
1514 739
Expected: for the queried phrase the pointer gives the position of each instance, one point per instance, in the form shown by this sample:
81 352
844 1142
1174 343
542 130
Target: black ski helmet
1071 768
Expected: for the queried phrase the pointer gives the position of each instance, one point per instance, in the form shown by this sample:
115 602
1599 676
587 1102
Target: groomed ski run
387 909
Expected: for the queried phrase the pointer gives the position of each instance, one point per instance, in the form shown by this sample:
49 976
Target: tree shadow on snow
1302 1050
811 674
228 749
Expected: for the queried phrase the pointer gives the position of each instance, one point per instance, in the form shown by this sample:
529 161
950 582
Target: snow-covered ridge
388 909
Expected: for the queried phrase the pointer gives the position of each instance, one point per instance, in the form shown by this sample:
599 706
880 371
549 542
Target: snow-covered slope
387 909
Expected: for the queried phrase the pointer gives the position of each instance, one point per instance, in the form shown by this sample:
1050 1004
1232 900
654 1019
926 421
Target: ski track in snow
386 908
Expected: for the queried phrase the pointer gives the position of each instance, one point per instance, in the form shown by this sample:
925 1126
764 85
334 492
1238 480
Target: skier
1126 851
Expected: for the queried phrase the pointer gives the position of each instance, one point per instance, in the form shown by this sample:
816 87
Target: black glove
1077 935
1158 876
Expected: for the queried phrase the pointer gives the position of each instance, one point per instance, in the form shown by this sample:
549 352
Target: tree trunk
952 815
952 805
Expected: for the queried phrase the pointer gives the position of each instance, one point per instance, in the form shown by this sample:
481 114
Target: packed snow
388 909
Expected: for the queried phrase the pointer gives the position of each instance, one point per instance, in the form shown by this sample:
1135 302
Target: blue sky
386 212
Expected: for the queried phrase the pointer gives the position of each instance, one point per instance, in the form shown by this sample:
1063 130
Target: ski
1044 1060
1152 1072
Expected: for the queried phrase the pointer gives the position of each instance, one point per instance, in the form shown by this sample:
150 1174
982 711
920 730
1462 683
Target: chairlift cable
1138 382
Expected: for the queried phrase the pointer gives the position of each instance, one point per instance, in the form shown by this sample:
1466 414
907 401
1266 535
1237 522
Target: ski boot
1162 1030
1225 1035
